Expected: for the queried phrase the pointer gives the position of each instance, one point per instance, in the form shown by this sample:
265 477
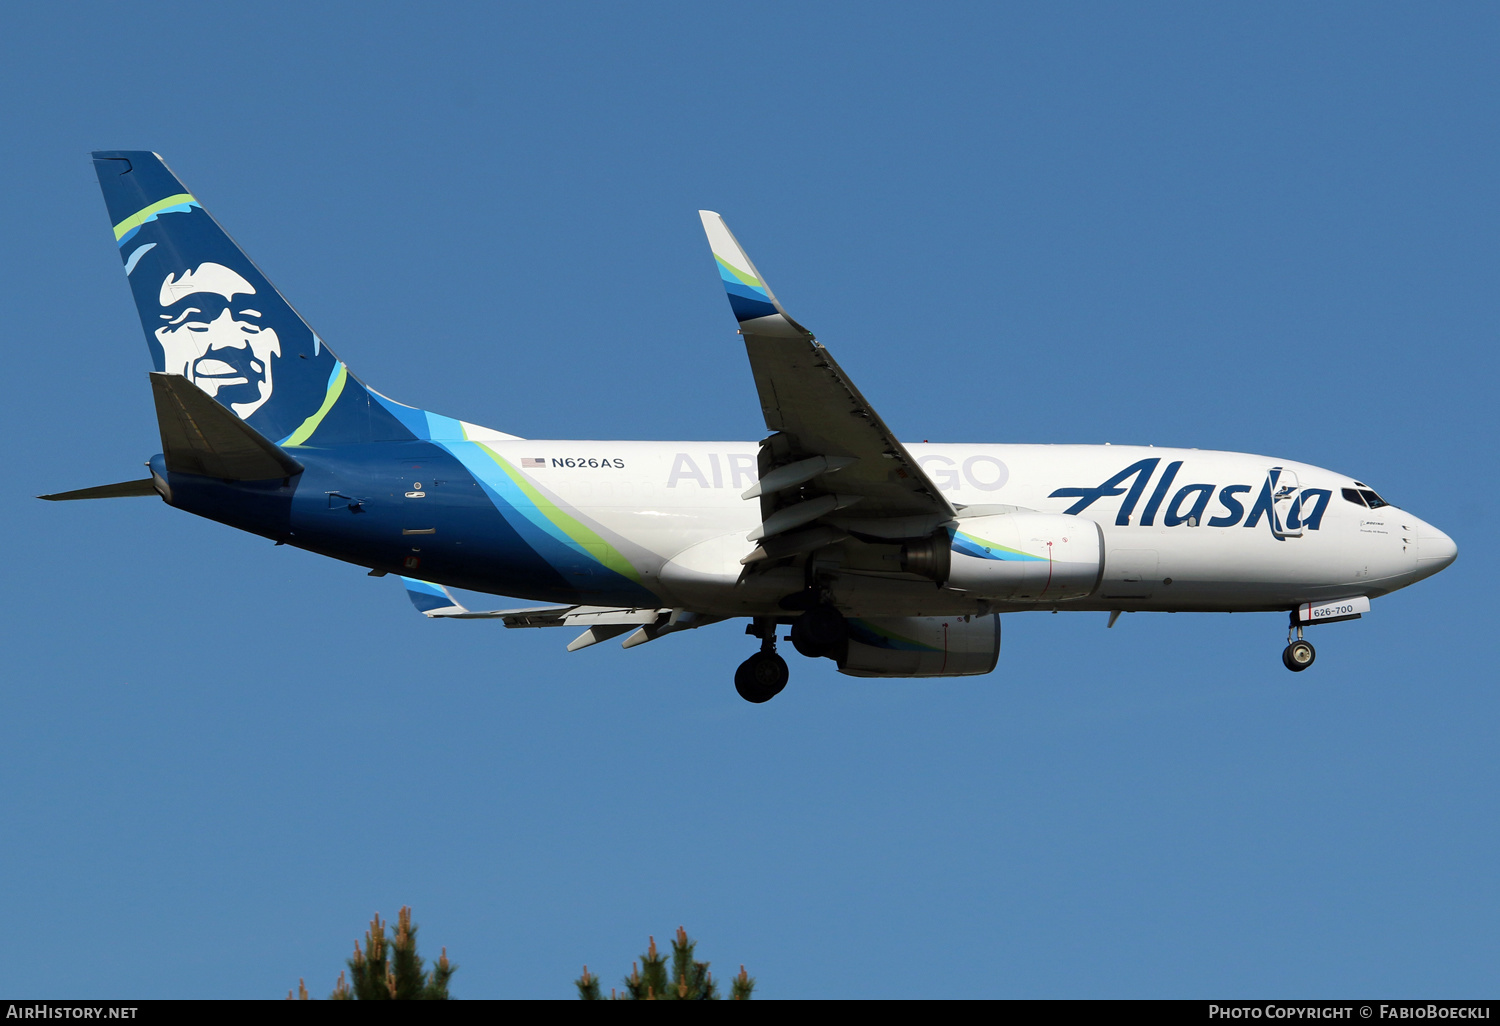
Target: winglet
431 599
754 304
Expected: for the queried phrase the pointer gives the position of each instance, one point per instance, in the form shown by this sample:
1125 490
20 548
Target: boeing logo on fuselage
1189 504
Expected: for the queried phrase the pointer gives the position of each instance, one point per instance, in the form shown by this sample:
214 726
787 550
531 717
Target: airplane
891 559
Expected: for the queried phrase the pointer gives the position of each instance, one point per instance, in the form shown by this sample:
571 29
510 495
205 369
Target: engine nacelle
1027 557
922 646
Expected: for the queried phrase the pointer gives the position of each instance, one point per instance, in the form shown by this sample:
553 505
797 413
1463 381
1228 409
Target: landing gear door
1286 493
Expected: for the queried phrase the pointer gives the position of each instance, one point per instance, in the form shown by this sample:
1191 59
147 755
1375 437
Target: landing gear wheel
761 677
821 631
1299 655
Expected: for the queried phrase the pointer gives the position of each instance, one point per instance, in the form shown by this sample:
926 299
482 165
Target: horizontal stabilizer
123 490
198 436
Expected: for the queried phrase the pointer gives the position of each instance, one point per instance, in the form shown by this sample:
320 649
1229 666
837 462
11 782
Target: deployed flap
811 405
198 436
574 616
680 620
124 489
594 635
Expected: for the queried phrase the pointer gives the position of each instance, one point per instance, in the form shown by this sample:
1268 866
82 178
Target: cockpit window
1363 496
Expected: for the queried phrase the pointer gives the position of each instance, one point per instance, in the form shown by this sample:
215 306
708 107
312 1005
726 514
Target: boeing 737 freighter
892 559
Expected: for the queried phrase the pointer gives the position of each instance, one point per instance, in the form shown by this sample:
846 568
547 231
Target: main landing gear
761 677
1298 655
821 631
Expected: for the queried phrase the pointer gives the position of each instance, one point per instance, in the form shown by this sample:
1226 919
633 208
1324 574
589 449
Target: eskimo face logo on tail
213 334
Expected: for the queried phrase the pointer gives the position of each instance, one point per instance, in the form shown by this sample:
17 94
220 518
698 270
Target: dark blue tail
213 317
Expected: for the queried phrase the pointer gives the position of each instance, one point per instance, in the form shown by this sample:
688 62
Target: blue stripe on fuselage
351 504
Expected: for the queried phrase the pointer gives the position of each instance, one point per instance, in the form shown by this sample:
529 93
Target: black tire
821 631
761 677
1298 656
802 645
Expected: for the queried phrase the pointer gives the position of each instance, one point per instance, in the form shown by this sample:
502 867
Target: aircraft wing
831 462
602 622
434 600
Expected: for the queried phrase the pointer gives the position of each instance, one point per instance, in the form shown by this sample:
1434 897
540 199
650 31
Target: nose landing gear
761 677
1298 654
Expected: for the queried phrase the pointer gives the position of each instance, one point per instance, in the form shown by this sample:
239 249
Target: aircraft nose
1435 550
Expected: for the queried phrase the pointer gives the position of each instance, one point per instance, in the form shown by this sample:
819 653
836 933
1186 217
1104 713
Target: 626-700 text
1327 611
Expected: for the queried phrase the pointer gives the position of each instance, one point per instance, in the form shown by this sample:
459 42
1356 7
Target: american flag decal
533 463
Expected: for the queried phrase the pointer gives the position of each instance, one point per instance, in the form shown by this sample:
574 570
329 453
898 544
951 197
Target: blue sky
1268 228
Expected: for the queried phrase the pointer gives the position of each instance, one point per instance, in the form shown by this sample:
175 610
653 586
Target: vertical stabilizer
212 317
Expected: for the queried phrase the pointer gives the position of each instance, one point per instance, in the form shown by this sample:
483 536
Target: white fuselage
1177 534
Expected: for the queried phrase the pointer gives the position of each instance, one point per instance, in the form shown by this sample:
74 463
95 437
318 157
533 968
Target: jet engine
1026 557
922 646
